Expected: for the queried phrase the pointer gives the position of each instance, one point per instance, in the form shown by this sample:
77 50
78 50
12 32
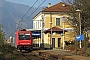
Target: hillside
11 14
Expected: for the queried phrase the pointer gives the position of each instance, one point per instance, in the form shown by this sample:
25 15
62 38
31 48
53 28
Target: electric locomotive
24 40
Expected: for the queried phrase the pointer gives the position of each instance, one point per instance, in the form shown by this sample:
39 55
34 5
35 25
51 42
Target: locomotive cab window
24 36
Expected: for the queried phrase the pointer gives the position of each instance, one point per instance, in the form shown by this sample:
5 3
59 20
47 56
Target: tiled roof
55 29
60 7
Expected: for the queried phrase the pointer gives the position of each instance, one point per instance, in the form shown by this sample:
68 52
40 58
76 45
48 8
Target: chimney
63 5
49 5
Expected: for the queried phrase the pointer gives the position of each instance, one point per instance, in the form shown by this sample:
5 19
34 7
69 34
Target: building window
40 23
36 24
57 21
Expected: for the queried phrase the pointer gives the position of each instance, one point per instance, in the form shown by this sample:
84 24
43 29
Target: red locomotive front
24 40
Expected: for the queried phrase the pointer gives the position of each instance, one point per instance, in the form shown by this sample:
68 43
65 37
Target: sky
31 2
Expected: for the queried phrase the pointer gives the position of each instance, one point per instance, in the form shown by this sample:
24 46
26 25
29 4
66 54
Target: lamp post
75 27
79 23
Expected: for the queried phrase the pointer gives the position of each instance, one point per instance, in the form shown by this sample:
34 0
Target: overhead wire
29 9
25 14
37 8
33 12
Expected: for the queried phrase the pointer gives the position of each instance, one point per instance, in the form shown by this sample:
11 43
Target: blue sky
31 2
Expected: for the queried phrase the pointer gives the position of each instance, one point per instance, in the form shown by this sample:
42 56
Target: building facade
55 25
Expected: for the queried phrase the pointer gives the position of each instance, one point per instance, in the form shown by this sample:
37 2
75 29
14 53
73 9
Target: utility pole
79 23
63 33
42 37
51 29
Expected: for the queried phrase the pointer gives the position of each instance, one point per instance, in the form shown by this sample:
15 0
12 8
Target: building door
59 40
53 42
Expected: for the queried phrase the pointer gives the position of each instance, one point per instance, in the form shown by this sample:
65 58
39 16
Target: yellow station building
53 26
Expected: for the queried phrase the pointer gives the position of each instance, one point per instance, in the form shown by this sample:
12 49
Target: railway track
42 55
37 54
30 55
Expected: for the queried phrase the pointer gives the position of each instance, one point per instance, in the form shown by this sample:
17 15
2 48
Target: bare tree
84 6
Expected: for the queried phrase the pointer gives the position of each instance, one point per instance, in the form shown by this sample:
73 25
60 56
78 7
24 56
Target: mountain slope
11 14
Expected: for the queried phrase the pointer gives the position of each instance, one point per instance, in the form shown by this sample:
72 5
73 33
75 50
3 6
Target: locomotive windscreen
24 36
